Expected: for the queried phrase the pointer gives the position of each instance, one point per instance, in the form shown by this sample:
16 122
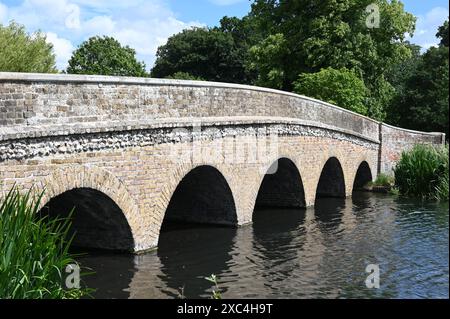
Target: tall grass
384 180
423 172
33 251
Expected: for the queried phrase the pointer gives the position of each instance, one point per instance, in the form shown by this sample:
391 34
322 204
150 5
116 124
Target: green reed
423 172
34 251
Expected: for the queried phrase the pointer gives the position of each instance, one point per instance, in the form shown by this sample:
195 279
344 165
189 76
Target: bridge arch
332 180
363 175
281 186
105 215
202 196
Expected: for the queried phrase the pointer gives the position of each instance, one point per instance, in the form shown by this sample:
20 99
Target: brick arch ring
178 174
361 159
263 169
58 182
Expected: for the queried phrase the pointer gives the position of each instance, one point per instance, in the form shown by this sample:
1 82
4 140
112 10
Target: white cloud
143 25
73 18
98 25
63 49
427 27
226 2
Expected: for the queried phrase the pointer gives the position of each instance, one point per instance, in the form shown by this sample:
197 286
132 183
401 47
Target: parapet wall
395 140
71 104
38 105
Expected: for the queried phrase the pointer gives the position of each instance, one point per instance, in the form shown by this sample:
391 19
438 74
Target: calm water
315 253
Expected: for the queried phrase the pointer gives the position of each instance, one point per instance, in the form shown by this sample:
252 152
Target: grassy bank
423 172
34 251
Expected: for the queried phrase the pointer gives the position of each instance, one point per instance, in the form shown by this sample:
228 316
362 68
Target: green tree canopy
23 52
422 91
330 33
268 58
105 56
340 87
443 34
184 76
210 54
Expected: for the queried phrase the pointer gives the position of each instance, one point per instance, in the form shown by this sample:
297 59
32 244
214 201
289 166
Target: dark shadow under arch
97 221
362 177
203 197
331 182
282 187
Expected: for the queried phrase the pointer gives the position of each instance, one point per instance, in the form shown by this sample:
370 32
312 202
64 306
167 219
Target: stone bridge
131 153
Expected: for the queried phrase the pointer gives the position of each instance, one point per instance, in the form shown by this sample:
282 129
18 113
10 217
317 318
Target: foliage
423 172
34 251
324 34
23 52
184 76
209 54
384 180
216 291
422 91
443 34
105 56
268 59
245 34
340 87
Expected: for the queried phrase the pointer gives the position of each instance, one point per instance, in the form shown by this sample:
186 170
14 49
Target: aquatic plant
216 291
384 180
34 251
423 172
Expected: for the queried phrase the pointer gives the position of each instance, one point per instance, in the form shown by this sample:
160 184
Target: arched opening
363 176
202 197
331 182
281 187
97 221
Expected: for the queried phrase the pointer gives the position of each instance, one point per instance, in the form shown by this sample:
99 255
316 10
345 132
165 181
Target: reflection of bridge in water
313 252
124 152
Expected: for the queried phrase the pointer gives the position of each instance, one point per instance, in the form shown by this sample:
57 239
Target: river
319 252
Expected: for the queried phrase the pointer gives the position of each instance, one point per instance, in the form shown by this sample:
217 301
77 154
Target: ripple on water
314 253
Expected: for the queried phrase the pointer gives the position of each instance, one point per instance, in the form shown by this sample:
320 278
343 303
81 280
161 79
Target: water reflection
319 252
276 230
111 273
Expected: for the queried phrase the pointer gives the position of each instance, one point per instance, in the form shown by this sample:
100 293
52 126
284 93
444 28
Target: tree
23 52
268 58
340 87
105 56
398 76
245 34
443 34
330 33
423 105
421 102
184 76
210 54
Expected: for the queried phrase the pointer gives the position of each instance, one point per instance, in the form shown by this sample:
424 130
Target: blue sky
146 24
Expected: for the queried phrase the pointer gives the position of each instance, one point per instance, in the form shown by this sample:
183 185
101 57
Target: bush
34 251
423 172
341 87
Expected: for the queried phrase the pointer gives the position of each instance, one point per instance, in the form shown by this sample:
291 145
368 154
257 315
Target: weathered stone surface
134 140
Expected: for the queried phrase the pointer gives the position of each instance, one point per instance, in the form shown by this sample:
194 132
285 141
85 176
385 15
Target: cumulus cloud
427 27
143 25
63 49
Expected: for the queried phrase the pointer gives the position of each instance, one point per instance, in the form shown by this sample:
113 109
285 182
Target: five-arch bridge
129 153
